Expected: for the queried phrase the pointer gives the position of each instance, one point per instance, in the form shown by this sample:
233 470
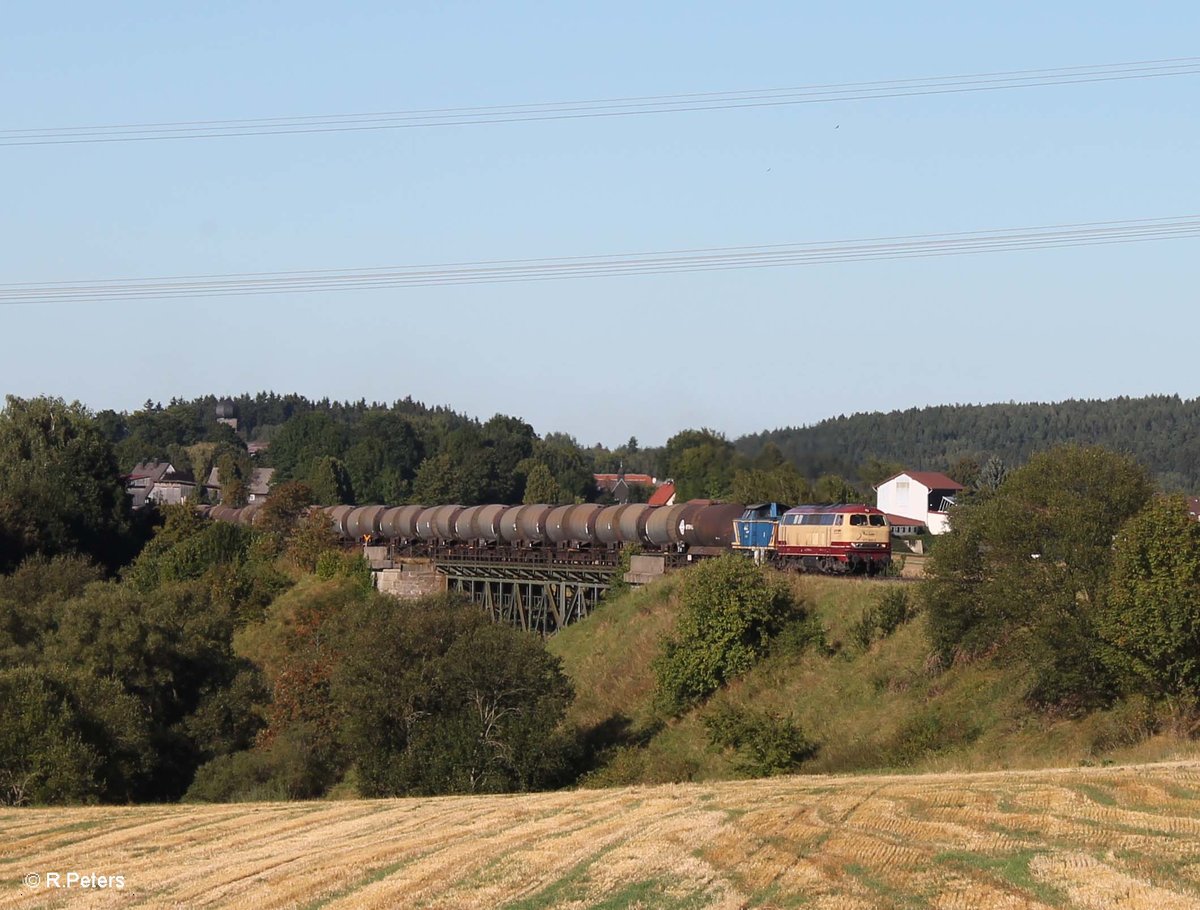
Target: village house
917 499
158 482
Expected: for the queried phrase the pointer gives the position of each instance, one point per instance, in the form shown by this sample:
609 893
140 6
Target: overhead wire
602 107
702 259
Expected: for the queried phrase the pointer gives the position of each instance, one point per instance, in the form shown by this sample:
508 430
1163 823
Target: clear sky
738 351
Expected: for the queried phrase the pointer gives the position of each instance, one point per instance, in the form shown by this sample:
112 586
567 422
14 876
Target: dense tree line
1160 432
359 452
405 451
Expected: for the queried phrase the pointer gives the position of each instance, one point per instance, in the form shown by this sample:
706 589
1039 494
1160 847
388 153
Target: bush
30 597
68 737
352 566
928 732
730 610
765 743
801 635
438 699
881 619
282 770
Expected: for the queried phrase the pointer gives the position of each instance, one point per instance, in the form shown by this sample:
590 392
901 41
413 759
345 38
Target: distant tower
227 413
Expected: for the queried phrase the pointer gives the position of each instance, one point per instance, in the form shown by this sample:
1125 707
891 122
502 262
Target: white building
915 498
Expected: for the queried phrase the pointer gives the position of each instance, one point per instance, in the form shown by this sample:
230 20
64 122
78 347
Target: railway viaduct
540 594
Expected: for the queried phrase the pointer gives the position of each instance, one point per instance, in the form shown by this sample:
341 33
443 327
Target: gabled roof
931 479
609 481
662 495
260 481
903 522
154 470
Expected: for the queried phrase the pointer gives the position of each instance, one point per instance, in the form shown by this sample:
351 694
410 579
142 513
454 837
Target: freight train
832 539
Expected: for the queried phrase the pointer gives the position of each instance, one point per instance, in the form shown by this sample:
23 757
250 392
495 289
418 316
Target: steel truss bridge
540 597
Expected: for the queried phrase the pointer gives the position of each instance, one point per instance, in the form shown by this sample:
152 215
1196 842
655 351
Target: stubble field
1126 837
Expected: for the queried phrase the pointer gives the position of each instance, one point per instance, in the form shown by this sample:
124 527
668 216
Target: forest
1161 431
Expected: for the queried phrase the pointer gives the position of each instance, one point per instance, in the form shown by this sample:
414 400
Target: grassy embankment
873 709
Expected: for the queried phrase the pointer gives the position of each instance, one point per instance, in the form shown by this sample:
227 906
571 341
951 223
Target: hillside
1162 432
872 709
1086 838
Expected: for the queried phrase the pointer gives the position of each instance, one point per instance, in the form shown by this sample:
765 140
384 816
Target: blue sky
600 358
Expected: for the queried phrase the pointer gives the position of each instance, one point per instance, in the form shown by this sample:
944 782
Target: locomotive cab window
858 519
877 521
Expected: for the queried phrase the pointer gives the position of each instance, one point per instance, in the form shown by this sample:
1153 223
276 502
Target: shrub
765 743
438 699
284 769
352 566
928 732
68 737
881 619
730 610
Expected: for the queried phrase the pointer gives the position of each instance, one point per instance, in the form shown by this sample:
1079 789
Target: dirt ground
1115 837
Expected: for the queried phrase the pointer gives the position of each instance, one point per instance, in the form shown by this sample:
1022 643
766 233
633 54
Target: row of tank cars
833 538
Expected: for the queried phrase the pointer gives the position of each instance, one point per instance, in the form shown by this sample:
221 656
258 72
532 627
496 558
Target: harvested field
1126 837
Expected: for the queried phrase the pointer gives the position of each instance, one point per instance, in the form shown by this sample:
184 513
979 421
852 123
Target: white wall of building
904 496
938 522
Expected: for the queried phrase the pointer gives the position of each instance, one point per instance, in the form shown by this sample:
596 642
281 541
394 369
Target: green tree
67 736
304 439
285 506
701 462
60 489
170 649
236 472
438 699
540 485
1150 621
330 482
729 610
435 481
782 483
299 644
1025 569
965 470
384 454
875 471
310 538
832 488
769 458
571 467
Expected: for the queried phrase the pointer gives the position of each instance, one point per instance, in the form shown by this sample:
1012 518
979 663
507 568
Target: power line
603 107
578 267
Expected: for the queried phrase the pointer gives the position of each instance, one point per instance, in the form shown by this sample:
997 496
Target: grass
1011 868
871 710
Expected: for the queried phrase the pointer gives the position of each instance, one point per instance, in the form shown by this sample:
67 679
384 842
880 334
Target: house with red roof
918 498
664 495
